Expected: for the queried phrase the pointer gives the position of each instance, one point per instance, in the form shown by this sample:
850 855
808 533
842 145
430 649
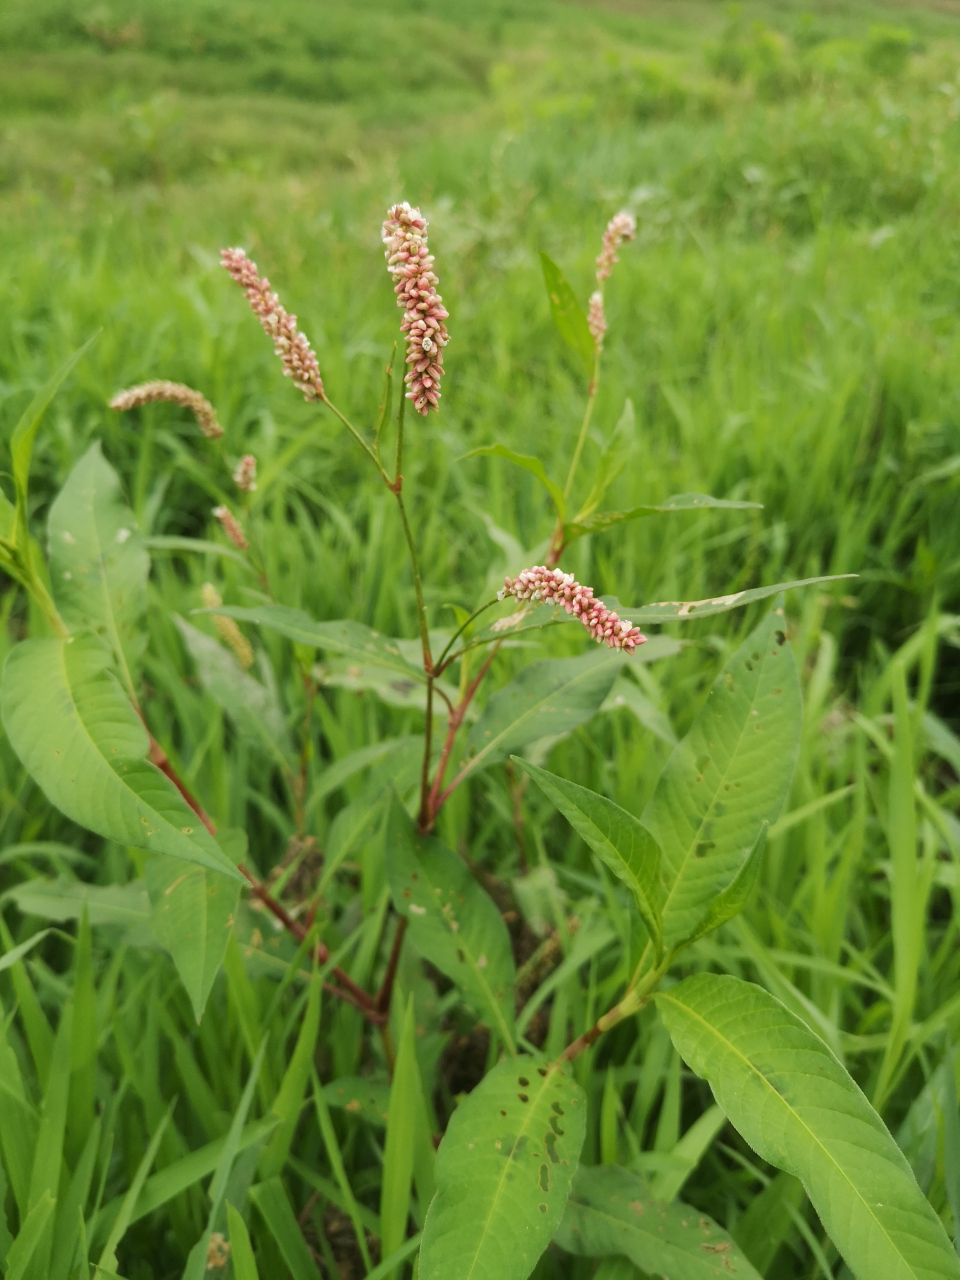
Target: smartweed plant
505 1179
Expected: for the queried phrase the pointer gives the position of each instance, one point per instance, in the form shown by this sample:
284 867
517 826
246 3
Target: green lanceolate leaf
546 698
271 1200
82 742
528 463
241 1250
728 777
732 900
503 1173
66 899
681 610
610 1211
799 1109
452 921
568 315
192 914
620 839
98 564
595 523
30 1239
353 639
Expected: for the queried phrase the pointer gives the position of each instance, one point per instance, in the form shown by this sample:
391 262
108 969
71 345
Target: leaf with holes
546 699
98 563
624 844
84 745
452 921
799 1109
503 1173
729 776
610 1212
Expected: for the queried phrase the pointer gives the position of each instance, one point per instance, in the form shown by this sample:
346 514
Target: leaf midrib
693 843
738 1053
564 688
89 493
525 1126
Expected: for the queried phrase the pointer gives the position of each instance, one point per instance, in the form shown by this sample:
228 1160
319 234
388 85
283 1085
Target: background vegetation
786 327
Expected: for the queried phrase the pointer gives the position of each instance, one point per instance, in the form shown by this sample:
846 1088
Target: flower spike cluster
596 319
293 348
175 393
232 527
410 263
553 586
622 226
245 475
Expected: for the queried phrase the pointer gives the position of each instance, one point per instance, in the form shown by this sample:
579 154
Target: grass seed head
175 393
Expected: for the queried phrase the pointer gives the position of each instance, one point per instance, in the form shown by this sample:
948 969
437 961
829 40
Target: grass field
787 327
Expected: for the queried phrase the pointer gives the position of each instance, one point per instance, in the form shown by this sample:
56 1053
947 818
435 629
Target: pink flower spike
553 586
295 352
596 320
622 226
245 475
410 263
231 527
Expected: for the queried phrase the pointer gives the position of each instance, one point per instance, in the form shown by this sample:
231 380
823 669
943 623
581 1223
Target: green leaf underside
65 899
729 776
353 639
98 564
568 315
794 1103
80 739
452 921
624 844
193 913
503 1173
679 502
546 698
610 1212
360 1096
681 610
529 463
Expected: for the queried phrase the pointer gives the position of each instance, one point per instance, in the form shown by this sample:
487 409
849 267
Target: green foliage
781 332
797 1107
504 1173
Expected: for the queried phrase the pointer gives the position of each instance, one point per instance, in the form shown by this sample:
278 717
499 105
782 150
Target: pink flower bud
622 226
231 527
245 475
410 263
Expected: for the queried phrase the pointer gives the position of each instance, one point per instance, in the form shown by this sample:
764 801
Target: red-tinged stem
434 800
160 758
382 999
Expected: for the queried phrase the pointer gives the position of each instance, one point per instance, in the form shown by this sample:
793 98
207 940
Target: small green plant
507 1178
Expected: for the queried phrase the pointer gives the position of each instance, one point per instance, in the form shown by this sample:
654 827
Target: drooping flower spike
622 226
175 393
232 527
410 263
245 475
553 586
293 348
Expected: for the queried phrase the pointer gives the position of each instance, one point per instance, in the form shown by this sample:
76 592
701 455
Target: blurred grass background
786 327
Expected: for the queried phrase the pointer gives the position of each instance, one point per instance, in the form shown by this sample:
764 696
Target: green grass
786 326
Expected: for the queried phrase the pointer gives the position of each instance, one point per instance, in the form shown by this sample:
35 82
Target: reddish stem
347 990
382 999
435 799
